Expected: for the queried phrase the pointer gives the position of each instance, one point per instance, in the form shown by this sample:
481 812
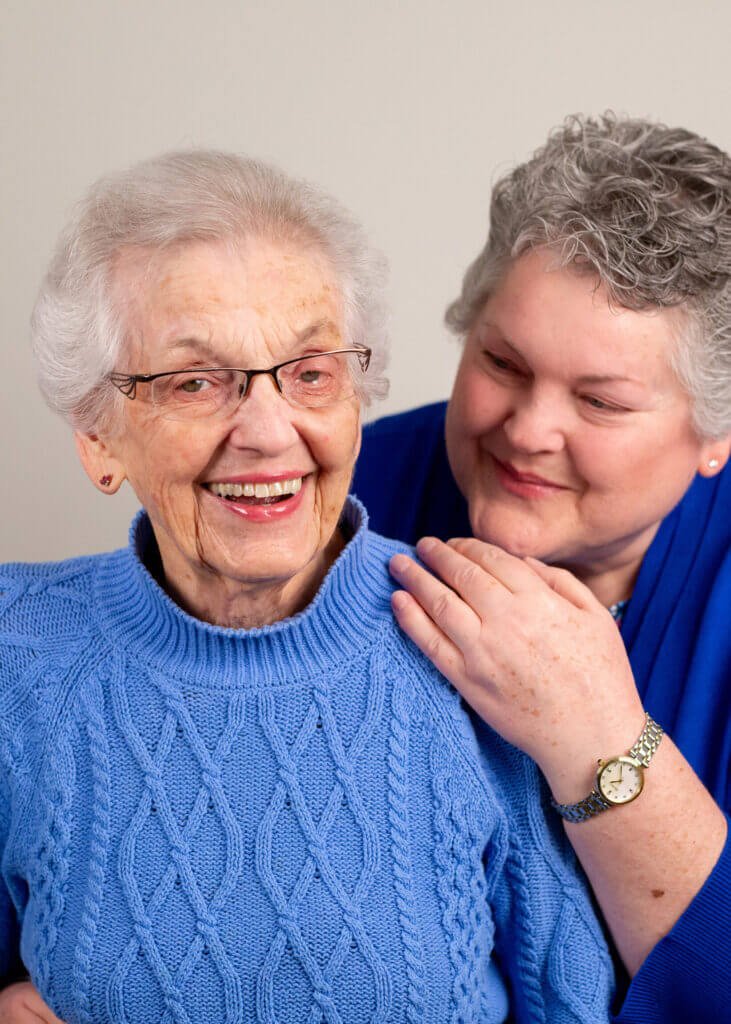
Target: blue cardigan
288 824
677 631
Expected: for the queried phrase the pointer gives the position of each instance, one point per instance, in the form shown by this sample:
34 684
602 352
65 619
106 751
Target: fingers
462 574
438 648
564 583
20 1003
447 611
510 571
431 641
38 1008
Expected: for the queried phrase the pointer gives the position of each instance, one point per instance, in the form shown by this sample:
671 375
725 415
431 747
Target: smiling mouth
256 493
526 478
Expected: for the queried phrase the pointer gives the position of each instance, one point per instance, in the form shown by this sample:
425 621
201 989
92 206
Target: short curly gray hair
647 209
190 196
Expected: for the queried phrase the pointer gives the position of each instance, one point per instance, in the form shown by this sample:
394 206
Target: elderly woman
584 445
231 789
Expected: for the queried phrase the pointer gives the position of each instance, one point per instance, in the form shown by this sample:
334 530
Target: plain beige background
405 109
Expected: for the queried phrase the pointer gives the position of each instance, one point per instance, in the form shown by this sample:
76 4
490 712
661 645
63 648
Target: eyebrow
205 349
590 378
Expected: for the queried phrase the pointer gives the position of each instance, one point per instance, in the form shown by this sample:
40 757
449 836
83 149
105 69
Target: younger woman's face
568 431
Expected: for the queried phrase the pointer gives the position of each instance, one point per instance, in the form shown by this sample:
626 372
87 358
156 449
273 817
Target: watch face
620 780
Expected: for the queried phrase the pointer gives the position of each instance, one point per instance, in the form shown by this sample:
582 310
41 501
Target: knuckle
443 605
465 576
434 648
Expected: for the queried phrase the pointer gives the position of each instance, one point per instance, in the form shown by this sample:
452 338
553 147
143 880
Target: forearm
647 861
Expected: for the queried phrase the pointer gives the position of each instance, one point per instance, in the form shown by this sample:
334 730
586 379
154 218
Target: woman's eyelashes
502 364
507 368
601 406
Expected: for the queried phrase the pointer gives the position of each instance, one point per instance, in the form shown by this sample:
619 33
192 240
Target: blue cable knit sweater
201 825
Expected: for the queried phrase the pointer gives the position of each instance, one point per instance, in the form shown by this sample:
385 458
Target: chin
504 529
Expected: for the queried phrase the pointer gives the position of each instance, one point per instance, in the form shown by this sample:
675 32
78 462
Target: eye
600 406
504 365
193 385
309 376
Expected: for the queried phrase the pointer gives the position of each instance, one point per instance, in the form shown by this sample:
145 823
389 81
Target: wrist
570 769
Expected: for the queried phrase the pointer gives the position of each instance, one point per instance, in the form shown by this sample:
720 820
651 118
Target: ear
104 470
714 456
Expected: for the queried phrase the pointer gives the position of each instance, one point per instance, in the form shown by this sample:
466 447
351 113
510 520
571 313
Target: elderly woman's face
203 306
567 430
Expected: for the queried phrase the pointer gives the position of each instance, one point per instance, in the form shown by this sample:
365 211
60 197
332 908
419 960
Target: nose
535 423
264 420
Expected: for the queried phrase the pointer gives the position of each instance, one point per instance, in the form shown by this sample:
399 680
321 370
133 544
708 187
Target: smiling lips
525 485
257 492
259 498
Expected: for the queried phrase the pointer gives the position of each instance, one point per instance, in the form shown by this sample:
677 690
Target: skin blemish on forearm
657 893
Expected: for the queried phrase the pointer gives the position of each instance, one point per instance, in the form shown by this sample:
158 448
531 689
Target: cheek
335 446
161 465
648 460
480 399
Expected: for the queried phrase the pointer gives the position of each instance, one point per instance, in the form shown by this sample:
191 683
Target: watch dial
620 780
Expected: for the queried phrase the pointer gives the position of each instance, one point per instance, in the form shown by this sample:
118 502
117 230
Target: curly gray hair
645 208
196 195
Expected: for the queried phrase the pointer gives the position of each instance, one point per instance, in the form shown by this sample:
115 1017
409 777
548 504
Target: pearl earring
712 463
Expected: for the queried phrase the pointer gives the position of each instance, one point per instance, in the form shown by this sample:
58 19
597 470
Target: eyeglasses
310 382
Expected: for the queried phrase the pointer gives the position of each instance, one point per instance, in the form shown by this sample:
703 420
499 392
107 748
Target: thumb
564 583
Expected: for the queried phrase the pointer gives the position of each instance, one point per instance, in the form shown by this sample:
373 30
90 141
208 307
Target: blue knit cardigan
286 824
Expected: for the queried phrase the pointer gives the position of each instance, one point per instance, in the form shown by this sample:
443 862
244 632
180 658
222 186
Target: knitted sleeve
548 938
42 630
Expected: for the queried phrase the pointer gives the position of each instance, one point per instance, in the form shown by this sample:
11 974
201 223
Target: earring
712 463
105 480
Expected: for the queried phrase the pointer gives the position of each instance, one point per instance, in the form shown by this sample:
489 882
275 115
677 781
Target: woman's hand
529 648
21 1004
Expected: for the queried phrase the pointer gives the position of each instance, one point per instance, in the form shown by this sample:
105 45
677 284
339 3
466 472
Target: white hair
173 199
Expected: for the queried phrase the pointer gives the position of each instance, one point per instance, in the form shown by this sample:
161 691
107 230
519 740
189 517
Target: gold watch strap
643 750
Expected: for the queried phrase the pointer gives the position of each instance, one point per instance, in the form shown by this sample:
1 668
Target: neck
246 604
611 573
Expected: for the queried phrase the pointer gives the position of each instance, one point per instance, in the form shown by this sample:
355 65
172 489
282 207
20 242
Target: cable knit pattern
398 799
93 702
291 824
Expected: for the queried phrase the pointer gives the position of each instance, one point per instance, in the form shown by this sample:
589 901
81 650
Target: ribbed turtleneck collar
345 615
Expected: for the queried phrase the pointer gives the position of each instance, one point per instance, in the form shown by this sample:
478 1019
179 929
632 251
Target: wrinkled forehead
245 302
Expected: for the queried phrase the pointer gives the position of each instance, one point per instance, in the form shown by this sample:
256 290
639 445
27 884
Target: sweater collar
346 615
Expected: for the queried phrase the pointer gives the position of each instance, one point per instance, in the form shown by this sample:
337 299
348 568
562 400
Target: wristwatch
619 780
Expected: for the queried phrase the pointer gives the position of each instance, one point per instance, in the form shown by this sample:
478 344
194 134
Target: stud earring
105 480
712 463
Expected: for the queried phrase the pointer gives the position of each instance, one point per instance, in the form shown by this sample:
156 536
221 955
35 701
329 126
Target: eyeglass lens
312 381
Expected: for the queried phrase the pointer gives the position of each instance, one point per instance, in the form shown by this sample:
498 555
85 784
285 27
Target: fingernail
426 544
399 600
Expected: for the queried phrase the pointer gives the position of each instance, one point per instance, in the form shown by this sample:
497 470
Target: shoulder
46 619
39 598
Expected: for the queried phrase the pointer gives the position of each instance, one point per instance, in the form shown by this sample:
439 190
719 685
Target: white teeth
273 490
